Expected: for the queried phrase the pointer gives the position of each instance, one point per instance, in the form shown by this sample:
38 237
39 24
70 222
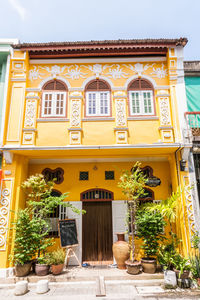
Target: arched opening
54 98
141 97
98 100
97 225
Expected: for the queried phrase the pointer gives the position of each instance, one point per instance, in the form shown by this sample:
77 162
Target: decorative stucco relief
116 72
189 205
165 118
30 113
159 72
4 213
75 117
120 107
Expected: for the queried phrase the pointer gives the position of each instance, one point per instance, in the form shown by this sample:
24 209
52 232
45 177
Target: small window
97 99
54 99
109 175
141 98
84 175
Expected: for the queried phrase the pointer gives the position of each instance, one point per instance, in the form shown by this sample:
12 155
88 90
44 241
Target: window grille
109 175
84 176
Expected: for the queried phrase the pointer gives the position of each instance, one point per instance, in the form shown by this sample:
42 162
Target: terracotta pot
133 268
198 281
41 270
185 274
121 251
149 265
57 269
23 270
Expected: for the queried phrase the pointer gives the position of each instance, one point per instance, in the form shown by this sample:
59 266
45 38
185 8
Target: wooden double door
97 231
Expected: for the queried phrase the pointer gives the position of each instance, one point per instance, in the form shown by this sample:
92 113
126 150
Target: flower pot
23 270
41 270
133 268
184 283
149 265
185 274
121 251
57 269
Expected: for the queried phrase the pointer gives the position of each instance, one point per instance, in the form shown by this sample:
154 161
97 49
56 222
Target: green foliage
150 229
44 260
195 265
180 263
196 240
57 257
132 185
168 207
25 242
41 204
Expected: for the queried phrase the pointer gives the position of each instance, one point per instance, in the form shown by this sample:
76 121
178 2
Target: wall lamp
182 164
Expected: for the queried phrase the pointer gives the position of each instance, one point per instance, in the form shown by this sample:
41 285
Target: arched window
54 98
141 97
98 98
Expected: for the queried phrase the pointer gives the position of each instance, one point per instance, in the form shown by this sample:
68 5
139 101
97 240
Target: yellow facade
78 143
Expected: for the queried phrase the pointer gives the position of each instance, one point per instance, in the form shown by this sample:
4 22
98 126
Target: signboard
68 232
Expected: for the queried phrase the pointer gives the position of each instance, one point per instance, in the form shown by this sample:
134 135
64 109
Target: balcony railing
193 125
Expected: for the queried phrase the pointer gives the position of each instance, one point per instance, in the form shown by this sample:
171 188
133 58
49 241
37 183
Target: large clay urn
121 251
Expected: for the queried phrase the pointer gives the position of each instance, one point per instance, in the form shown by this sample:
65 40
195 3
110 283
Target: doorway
97 226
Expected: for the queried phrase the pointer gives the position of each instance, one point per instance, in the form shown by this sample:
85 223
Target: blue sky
76 20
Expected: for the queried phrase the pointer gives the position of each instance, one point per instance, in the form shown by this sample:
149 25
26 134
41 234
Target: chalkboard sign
68 232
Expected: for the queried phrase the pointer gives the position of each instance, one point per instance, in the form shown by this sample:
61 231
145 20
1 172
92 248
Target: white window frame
141 103
98 104
54 101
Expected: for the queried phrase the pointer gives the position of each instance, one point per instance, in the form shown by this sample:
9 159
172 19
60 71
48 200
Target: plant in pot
181 266
132 185
42 204
43 265
57 259
24 243
150 229
195 258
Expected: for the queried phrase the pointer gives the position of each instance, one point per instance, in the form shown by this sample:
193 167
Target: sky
83 20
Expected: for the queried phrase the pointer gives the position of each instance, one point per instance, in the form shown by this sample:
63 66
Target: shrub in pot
132 185
182 266
57 259
195 258
24 243
43 265
150 229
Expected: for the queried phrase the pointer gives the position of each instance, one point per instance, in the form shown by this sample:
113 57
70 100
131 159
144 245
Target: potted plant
181 266
132 185
150 229
41 203
195 258
24 243
57 259
43 265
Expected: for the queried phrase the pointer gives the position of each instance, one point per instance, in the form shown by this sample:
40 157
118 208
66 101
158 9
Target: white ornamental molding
120 107
165 118
4 213
189 205
30 113
116 72
159 72
75 117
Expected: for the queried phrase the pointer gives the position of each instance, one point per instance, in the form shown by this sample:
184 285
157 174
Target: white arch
94 78
52 78
142 76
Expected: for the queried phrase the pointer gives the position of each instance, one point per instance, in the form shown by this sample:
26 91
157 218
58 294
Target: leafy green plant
195 265
24 242
150 229
181 263
132 185
57 257
44 260
41 203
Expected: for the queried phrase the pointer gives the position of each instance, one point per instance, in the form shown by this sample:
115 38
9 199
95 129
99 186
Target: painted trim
42 83
96 119
144 118
96 60
95 160
75 129
52 120
18 79
143 76
120 128
33 90
78 147
5 99
94 78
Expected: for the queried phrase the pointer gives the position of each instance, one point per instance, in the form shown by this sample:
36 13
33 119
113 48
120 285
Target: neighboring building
192 85
83 112
5 50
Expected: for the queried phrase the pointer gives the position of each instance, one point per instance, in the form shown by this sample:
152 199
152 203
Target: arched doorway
97 225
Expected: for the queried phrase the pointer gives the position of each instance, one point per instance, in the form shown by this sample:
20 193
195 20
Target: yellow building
83 112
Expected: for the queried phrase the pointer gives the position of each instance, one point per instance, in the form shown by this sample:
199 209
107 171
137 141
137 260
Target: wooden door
97 231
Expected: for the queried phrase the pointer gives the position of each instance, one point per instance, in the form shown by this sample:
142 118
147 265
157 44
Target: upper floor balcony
193 126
